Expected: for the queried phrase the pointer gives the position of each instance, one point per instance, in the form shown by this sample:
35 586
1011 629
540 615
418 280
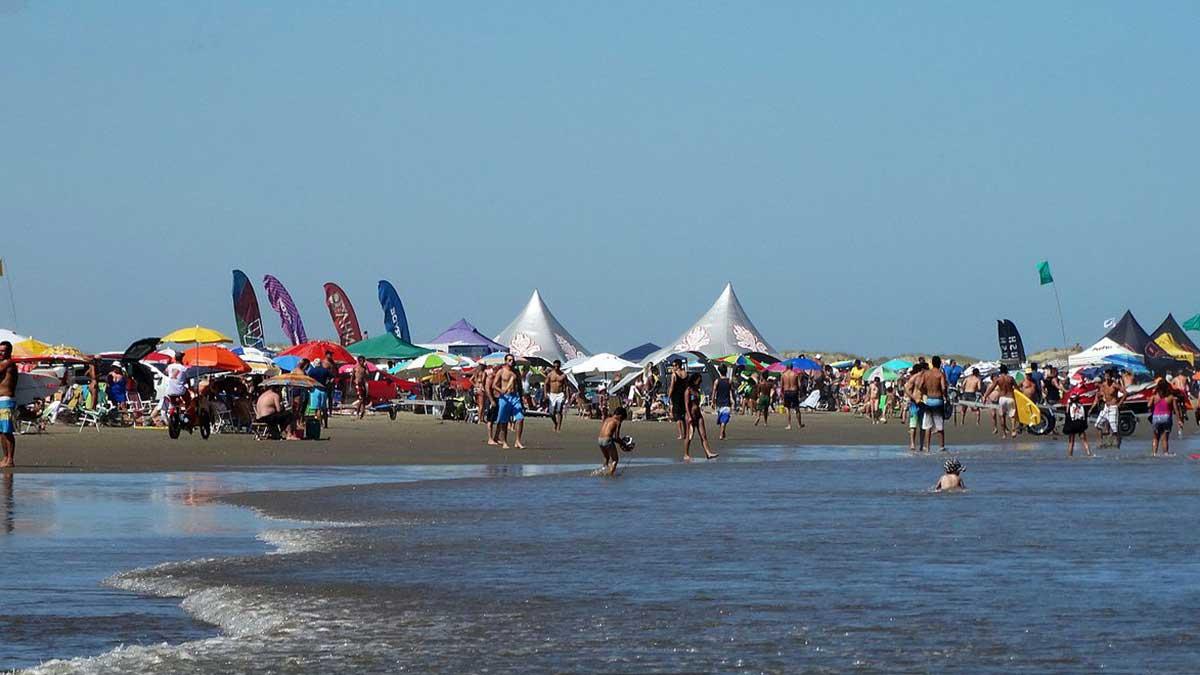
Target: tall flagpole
12 302
1061 324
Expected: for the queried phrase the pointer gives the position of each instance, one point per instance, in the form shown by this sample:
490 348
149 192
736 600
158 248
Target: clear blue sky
848 166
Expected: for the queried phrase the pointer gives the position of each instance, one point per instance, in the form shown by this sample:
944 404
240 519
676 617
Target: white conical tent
723 330
535 333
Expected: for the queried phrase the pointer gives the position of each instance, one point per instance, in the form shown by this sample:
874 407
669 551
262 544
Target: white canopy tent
723 330
1094 355
536 333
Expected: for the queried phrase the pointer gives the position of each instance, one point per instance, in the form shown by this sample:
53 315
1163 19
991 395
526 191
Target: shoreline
419 440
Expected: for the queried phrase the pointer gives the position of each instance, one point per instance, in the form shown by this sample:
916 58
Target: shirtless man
268 409
1110 394
762 401
933 396
479 380
8 405
789 383
972 387
510 409
649 386
1180 384
1004 385
556 393
912 394
359 378
610 439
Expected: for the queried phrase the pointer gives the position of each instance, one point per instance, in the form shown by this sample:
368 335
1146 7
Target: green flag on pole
1192 323
1044 272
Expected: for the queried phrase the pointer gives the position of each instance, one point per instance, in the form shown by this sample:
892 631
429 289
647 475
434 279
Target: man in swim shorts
556 393
610 439
912 394
510 410
971 386
8 405
762 405
789 384
1004 385
933 389
1110 395
722 396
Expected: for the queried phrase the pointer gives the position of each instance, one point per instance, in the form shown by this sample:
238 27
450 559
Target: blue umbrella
286 363
1128 362
802 364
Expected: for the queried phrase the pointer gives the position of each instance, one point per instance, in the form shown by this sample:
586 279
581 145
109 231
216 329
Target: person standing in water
1163 405
722 395
695 420
610 440
1110 395
934 389
1075 425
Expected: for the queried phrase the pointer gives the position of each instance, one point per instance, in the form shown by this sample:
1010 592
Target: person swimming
952 478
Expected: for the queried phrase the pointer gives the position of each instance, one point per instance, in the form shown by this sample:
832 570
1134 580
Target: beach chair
94 417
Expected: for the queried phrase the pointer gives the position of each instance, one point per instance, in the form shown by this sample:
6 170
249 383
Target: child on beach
1076 425
951 480
610 439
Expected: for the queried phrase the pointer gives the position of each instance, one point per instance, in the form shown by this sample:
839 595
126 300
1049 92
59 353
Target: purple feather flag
281 301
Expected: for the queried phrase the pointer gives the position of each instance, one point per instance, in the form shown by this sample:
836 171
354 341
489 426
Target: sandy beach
417 439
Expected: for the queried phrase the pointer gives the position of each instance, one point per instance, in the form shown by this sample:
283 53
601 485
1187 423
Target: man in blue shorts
510 409
8 404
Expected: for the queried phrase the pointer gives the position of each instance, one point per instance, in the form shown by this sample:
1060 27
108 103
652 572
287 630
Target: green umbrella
386 346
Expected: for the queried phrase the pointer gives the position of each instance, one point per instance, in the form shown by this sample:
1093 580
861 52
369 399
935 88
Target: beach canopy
196 334
1174 341
603 364
723 329
314 351
216 357
1129 333
1094 355
535 333
463 338
386 346
640 352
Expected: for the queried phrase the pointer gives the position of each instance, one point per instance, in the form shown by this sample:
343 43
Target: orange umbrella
213 356
314 351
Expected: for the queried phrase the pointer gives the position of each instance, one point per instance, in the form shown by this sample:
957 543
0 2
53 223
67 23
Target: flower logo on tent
568 349
747 339
693 341
523 346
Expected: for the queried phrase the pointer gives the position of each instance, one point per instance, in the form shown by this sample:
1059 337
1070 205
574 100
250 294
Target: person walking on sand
1075 425
649 387
1004 385
479 389
556 393
695 420
1163 405
359 380
8 406
933 396
762 393
676 391
510 410
972 387
722 395
610 440
789 384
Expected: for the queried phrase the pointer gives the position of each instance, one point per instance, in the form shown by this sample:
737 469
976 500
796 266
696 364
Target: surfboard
1027 411
32 386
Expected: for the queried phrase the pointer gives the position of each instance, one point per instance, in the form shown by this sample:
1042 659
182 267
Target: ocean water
805 560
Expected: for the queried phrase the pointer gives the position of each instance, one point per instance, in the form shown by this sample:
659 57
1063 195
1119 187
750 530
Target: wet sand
418 439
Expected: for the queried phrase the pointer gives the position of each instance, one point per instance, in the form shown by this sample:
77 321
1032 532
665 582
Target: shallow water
805 563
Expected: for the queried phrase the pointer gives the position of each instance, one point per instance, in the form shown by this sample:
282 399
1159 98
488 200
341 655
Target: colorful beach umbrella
30 347
493 359
432 361
314 350
216 357
796 364
386 346
882 373
197 334
291 380
740 360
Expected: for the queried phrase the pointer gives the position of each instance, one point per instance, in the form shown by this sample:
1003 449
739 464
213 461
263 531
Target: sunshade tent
536 333
1095 355
215 357
386 346
314 350
724 329
603 364
464 339
196 334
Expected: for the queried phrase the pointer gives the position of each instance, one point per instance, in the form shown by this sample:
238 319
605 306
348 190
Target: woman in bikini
695 420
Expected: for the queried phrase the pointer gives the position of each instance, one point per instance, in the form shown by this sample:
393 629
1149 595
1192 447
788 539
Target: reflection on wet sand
10 503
